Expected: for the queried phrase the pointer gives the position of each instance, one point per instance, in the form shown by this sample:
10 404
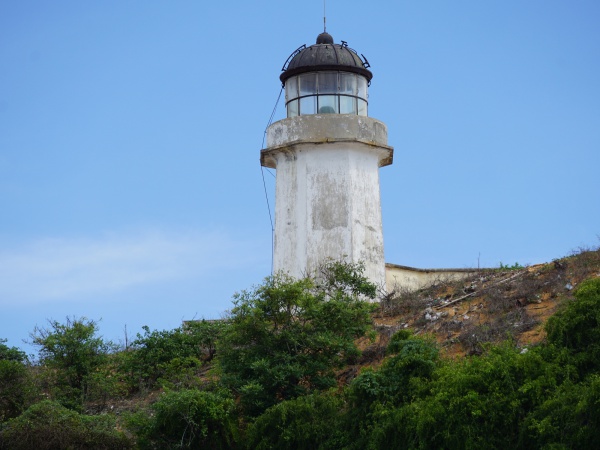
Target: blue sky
130 184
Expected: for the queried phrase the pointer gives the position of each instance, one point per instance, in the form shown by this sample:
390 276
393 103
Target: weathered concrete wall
412 279
327 191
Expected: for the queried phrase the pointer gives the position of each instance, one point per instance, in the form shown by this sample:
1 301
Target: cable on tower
265 184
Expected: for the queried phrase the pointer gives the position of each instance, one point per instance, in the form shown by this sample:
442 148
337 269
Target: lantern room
326 78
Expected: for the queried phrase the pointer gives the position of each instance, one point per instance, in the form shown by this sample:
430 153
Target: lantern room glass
326 92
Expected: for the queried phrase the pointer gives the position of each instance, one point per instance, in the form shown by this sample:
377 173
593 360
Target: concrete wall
327 202
412 279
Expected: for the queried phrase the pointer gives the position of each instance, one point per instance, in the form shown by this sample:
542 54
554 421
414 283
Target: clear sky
130 131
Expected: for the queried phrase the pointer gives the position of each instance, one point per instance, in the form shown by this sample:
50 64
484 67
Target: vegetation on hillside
307 364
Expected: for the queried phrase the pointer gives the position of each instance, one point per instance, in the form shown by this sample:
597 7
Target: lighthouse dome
325 55
326 78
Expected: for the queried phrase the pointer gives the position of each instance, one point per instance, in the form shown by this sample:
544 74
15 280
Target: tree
170 356
16 387
286 337
74 352
11 353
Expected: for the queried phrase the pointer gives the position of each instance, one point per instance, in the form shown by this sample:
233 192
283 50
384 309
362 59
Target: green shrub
414 360
188 419
475 403
72 352
17 390
576 326
304 423
181 373
497 400
570 418
286 337
11 353
104 385
49 426
159 355
515 266
376 396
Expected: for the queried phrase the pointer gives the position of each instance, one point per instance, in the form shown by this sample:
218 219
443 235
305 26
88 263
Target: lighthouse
327 154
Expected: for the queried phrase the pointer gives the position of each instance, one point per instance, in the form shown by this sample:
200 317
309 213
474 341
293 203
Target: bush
304 423
474 404
11 353
576 327
48 426
102 386
497 400
188 419
375 395
171 355
569 419
400 377
72 352
286 337
16 389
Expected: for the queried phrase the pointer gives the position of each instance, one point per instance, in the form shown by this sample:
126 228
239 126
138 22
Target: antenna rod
324 18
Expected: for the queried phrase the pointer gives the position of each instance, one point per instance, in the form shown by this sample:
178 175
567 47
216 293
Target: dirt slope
492 306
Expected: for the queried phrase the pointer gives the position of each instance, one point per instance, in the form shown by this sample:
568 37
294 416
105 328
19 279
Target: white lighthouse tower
327 154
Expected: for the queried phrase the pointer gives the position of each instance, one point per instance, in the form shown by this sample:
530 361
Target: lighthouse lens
347 105
348 83
308 84
362 87
362 107
291 88
328 104
308 105
292 108
328 83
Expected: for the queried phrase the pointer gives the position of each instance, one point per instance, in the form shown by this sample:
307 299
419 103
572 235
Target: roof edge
334 67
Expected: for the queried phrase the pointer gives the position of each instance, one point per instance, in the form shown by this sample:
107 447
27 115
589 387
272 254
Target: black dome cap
325 55
325 38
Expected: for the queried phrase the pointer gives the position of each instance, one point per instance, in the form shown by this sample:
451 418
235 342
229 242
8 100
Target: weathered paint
327 203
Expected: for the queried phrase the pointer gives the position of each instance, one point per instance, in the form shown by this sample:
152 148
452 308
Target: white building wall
404 278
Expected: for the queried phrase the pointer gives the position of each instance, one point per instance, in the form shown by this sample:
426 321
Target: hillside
492 306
